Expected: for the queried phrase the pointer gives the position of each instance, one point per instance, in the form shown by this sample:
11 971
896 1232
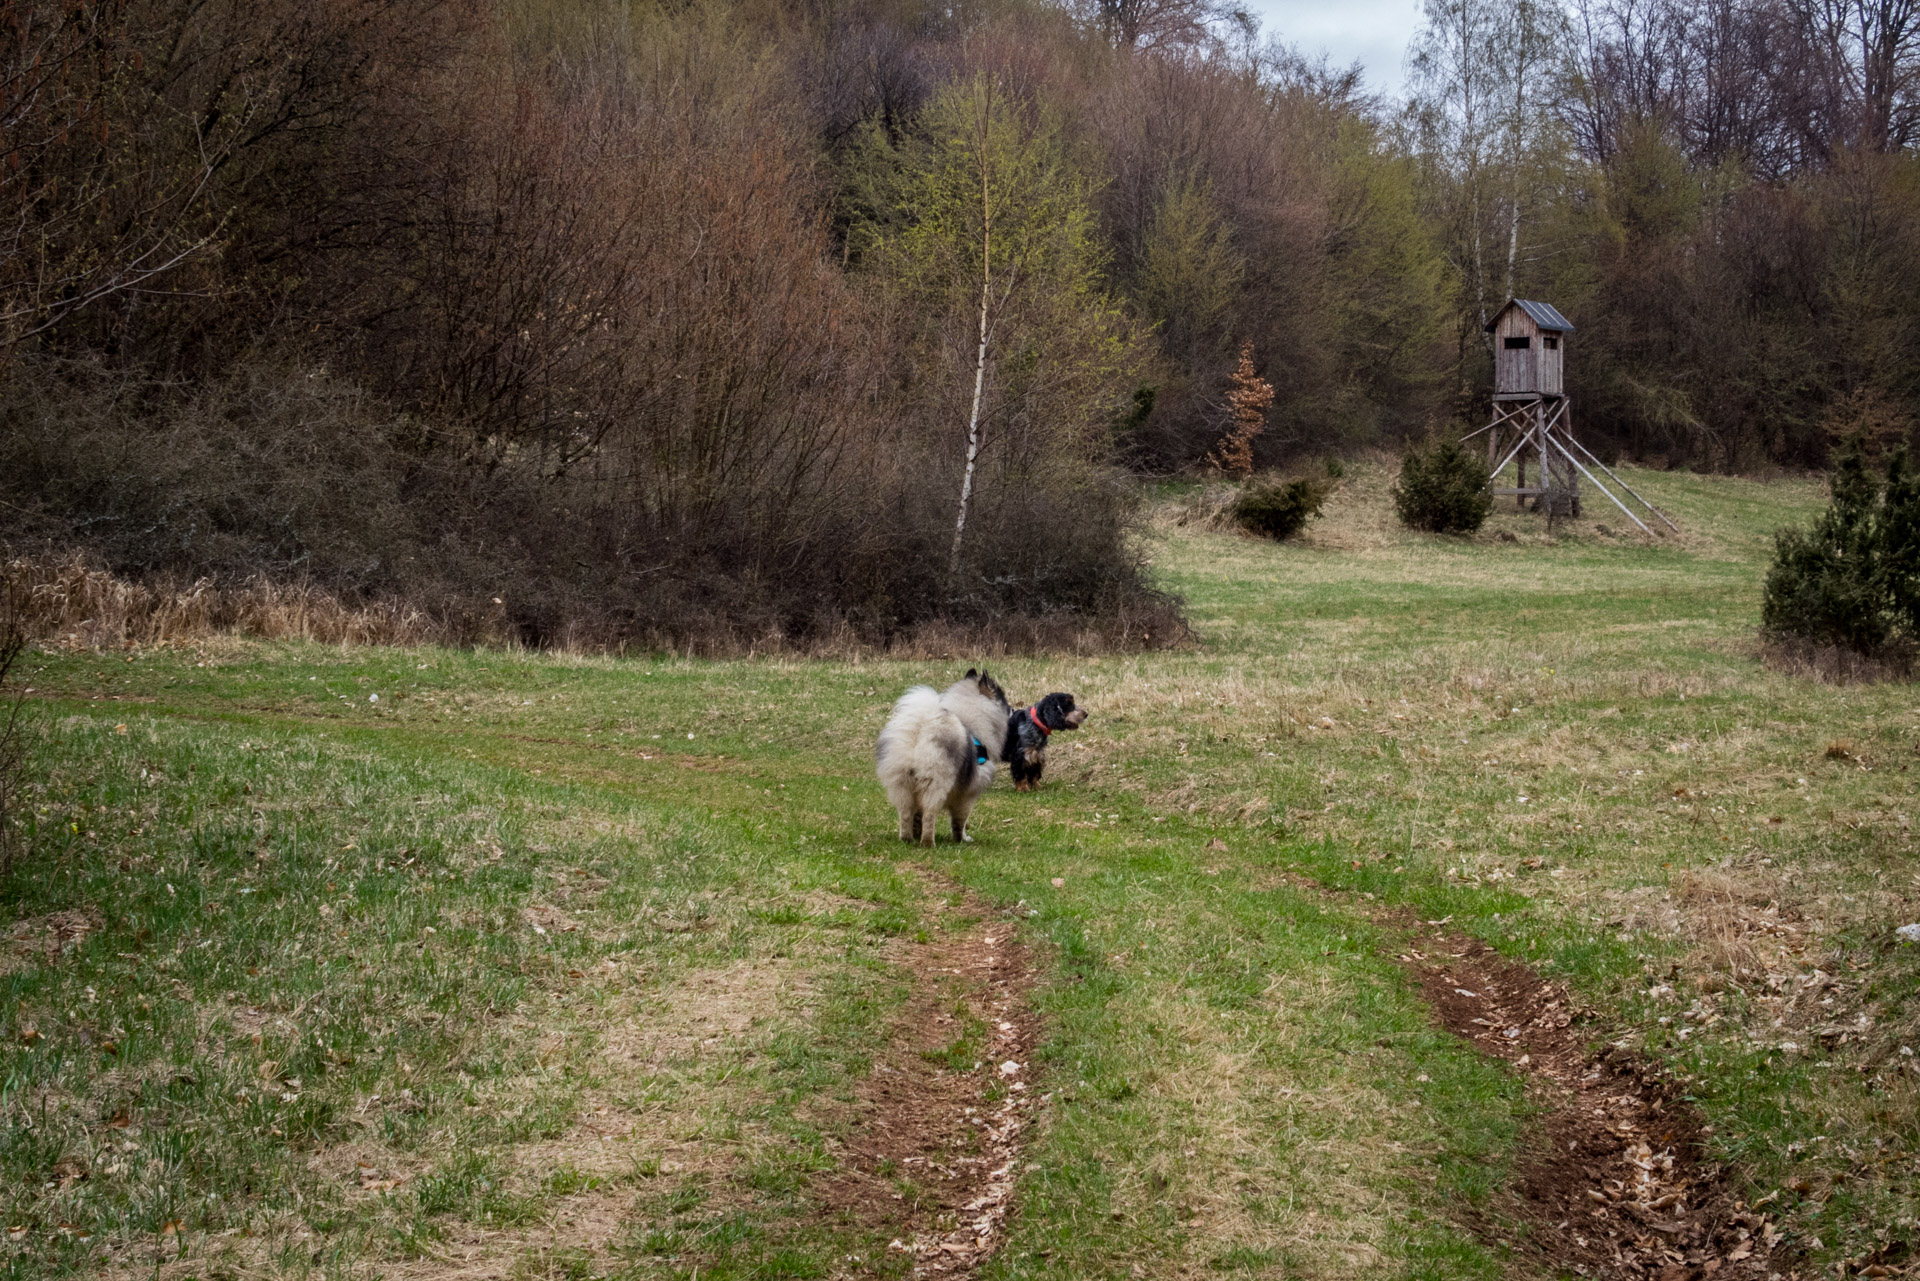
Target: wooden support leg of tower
1541 429
1519 444
1573 481
1514 430
1603 489
1562 418
1544 454
1623 484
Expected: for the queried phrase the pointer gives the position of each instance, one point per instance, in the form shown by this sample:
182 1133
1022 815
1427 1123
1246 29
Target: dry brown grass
69 600
1736 922
1209 509
1836 663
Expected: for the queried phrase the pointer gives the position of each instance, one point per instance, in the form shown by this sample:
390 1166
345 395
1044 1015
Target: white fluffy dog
937 751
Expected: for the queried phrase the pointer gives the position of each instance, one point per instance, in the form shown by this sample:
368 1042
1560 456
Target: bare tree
1860 74
82 216
1159 24
1779 85
1530 46
1457 103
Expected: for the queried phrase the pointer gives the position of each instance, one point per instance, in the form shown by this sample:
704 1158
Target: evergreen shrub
1442 489
1853 580
1280 510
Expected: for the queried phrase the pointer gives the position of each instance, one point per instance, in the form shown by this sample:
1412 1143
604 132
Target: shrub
1853 580
1899 530
281 499
1442 489
1279 511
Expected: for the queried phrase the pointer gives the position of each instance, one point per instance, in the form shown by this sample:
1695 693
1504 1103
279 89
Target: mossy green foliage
1442 489
1853 579
1280 509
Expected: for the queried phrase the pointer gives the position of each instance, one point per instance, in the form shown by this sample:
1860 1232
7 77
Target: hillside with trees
609 323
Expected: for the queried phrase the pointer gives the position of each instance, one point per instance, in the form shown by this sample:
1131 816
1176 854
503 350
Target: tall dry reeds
68 599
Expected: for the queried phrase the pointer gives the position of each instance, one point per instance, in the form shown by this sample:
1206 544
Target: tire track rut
946 1110
1615 1180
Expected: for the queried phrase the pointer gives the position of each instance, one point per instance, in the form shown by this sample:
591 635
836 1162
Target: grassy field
353 962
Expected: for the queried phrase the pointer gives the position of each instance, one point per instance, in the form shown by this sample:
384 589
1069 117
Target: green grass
575 962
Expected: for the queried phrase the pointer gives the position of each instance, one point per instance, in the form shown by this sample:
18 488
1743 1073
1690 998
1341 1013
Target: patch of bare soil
943 1116
1616 1181
40 940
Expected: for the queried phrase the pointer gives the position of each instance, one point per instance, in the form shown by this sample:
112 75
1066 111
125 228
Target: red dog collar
1033 715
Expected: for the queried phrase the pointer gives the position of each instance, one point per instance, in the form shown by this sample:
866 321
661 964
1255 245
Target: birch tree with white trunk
1456 103
1532 40
1486 75
981 212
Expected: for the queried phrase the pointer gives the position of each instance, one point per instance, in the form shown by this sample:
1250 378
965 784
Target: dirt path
944 1114
1615 1180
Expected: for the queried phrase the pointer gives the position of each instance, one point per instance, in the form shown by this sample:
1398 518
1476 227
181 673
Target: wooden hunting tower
1527 355
1532 417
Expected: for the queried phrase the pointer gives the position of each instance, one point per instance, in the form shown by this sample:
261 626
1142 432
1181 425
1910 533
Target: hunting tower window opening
1550 342
1519 344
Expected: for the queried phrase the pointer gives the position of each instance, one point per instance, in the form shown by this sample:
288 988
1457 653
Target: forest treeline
650 323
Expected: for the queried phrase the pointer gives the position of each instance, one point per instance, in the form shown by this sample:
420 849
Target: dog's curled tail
917 708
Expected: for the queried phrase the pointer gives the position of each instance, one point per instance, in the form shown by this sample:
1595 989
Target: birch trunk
1479 261
980 357
1516 135
1470 118
1513 235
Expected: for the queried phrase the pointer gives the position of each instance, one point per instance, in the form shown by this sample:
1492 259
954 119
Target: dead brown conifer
1247 406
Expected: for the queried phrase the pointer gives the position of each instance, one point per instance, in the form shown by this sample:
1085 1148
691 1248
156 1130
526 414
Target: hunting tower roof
1543 314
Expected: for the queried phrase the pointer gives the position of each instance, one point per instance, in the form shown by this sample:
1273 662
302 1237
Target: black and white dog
1027 732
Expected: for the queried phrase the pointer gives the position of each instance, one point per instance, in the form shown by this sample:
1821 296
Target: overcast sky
1373 33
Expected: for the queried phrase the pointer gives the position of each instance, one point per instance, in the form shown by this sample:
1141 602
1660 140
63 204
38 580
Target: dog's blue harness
980 756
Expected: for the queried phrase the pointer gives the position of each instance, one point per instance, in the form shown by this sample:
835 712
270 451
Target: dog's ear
971 674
